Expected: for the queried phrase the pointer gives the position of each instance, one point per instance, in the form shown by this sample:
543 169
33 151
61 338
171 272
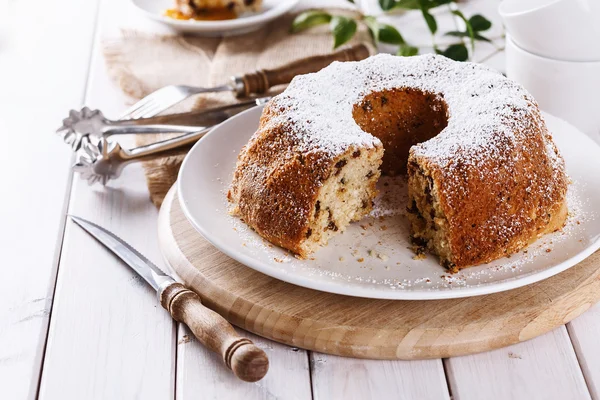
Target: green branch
344 28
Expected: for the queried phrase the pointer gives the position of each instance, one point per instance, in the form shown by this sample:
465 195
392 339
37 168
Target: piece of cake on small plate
212 9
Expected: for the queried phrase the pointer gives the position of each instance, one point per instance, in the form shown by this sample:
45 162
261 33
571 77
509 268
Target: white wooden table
75 323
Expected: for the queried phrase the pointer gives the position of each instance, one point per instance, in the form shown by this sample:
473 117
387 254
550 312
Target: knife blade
204 117
247 361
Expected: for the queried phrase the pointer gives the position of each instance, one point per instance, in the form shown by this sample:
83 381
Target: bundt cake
484 176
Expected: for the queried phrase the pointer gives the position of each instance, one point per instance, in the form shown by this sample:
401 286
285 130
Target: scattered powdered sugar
371 256
569 240
482 105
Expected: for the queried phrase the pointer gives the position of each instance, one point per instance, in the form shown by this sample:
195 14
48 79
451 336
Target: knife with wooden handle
248 362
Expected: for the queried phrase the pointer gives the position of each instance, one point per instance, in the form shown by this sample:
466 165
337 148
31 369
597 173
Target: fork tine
158 107
155 107
152 111
143 110
135 107
134 110
157 101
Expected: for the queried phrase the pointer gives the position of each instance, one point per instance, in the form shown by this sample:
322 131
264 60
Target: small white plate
246 22
372 259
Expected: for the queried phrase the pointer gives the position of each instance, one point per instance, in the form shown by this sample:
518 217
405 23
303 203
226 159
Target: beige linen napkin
141 63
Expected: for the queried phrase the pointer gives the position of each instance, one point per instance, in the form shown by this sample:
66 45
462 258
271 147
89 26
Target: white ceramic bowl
566 89
248 22
560 29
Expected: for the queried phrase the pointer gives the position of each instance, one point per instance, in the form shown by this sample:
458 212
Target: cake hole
401 118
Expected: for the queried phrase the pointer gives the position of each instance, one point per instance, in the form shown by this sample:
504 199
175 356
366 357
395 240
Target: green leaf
431 22
481 38
476 36
383 32
480 23
343 29
408 4
437 3
389 34
418 4
351 1
308 19
470 30
387 4
407 51
457 52
373 26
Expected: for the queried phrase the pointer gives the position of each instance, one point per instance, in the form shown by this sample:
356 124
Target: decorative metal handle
99 160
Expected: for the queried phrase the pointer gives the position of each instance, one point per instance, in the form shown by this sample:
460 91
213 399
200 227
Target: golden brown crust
498 189
500 209
275 187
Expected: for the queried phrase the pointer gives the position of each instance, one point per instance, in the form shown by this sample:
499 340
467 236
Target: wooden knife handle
262 80
248 362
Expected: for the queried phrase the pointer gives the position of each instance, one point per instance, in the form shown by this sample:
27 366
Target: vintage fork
165 98
244 85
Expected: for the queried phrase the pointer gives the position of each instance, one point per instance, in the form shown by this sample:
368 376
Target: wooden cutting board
369 328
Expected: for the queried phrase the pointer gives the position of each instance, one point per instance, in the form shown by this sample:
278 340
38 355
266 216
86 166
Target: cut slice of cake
344 194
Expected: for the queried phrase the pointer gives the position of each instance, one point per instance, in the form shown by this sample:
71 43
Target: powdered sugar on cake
482 105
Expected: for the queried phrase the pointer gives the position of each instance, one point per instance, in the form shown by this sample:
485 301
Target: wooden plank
127 333
347 378
43 70
541 368
109 337
584 332
201 374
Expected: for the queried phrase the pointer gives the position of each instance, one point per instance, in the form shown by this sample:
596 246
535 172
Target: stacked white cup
553 50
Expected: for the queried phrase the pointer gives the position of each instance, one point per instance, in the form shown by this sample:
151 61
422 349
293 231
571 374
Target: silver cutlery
92 122
204 117
98 160
248 362
244 85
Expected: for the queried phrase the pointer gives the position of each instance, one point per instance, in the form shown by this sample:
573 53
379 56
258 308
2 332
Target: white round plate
246 22
371 258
